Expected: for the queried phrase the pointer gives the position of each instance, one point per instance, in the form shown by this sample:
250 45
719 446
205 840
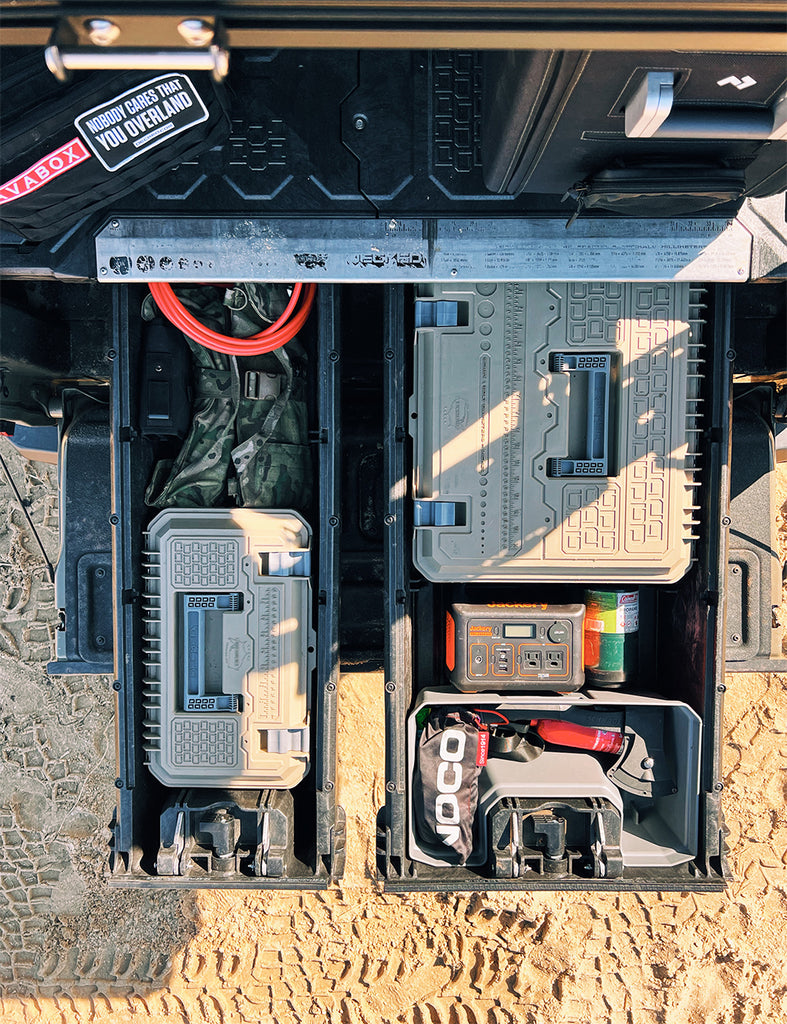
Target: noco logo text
449 781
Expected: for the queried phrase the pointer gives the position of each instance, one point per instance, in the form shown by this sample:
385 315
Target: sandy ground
72 950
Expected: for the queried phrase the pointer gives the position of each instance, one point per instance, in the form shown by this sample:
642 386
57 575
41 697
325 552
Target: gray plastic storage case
668 835
553 430
230 648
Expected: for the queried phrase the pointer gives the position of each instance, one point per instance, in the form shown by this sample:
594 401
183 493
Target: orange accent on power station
543 607
450 642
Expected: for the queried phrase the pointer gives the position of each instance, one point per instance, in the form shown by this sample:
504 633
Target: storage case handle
61 62
651 114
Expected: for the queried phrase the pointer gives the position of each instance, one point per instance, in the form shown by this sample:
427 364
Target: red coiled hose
278 334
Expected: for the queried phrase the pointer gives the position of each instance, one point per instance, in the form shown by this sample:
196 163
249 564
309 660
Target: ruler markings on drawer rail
388 251
513 394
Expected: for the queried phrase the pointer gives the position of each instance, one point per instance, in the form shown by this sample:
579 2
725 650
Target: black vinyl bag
71 150
452 749
659 190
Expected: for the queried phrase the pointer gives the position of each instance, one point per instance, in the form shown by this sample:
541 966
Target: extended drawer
226 622
674 647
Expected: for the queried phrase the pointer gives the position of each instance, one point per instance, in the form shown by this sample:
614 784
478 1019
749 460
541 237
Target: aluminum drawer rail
399 251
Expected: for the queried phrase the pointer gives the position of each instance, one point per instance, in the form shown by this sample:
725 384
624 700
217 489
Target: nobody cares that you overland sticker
140 119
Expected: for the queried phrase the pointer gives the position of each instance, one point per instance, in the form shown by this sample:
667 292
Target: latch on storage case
286 563
437 513
570 837
441 313
206 832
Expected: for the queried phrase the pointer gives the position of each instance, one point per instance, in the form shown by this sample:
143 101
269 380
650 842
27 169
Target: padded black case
555 122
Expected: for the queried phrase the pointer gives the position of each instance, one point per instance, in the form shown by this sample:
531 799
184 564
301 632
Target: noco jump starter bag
70 150
452 749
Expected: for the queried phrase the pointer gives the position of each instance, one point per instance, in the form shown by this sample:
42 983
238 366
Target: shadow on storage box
227 765
471 437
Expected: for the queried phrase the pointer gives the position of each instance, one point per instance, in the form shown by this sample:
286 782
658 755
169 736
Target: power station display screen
526 631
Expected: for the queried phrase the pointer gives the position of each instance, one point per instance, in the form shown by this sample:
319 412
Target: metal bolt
102 31
118 783
103 271
328 787
111 354
331 687
333 521
390 687
647 763
100 640
736 638
389 353
54 61
100 574
117 686
454 272
389 520
158 368
360 121
730 354
736 570
196 32
221 63
719 787
115 224
726 521
114 520
333 356
390 787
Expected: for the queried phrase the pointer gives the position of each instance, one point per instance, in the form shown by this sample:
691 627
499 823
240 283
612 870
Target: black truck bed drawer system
530 480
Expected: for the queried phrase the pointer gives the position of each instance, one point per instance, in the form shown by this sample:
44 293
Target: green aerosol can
611 636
